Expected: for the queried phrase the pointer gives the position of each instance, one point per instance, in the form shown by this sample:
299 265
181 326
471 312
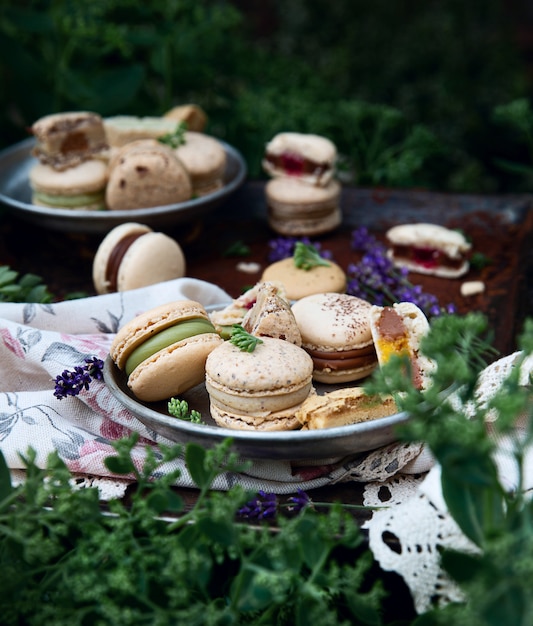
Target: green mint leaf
306 256
175 139
243 339
479 260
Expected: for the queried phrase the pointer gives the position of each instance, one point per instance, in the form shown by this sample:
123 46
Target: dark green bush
415 81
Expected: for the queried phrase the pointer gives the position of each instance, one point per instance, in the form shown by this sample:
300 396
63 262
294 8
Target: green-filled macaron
163 351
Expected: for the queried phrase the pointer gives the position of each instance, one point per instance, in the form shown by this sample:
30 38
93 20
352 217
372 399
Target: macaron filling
69 202
426 256
339 360
165 338
294 164
115 259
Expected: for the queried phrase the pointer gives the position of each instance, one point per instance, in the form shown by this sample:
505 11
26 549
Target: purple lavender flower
298 502
71 383
376 279
263 506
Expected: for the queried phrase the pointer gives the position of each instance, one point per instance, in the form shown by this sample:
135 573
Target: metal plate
325 444
15 192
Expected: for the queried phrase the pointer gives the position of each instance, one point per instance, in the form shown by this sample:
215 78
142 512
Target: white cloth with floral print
39 341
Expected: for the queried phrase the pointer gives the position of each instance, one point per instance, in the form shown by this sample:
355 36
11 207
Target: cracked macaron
164 350
259 390
336 333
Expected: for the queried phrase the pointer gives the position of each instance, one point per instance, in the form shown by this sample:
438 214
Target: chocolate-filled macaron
335 331
259 390
163 351
133 255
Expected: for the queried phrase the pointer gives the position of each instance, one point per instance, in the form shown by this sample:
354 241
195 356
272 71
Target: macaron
123 129
299 283
191 114
307 157
163 351
336 333
272 316
429 249
133 255
259 390
67 139
298 209
342 407
204 159
80 187
145 174
399 330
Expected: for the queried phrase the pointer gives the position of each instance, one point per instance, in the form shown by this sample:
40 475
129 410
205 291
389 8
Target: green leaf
221 532
462 567
6 488
119 465
195 458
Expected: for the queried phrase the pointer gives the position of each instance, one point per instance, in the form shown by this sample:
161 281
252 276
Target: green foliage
306 256
243 339
180 409
407 92
65 561
25 288
451 418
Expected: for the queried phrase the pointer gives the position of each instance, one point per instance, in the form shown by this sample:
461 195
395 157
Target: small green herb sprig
180 409
25 288
243 339
306 256
175 139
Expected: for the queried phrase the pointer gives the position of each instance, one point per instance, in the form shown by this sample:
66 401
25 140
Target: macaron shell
153 258
107 245
333 321
146 177
305 227
299 283
89 176
204 159
275 367
174 370
332 377
150 322
281 421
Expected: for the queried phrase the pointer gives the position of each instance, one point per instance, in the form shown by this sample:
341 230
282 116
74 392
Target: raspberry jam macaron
307 157
133 255
258 390
163 351
336 333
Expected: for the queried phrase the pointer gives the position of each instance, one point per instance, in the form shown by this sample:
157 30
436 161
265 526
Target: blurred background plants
408 91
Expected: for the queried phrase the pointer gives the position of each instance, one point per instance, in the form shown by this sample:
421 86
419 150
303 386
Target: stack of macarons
72 151
303 195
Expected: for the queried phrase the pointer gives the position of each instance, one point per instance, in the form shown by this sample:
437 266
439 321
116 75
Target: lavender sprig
376 279
72 382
